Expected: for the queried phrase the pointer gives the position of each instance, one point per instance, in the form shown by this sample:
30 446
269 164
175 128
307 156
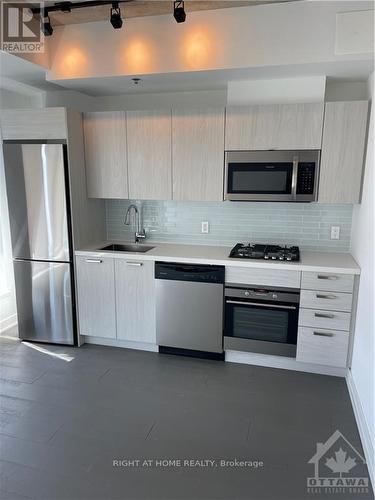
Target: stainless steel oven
272 175
261 320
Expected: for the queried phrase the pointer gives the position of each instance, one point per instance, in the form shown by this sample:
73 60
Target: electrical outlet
335 232
204 227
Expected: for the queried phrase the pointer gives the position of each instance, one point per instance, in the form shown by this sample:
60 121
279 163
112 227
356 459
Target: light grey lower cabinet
320 318
325 318
96 296
135 300
323 347
262 277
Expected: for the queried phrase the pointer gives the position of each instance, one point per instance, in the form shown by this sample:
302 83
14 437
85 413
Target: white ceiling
24 72
206 80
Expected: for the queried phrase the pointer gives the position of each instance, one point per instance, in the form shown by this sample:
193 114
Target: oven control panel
264 295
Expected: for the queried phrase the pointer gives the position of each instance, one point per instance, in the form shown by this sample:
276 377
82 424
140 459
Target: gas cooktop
267 252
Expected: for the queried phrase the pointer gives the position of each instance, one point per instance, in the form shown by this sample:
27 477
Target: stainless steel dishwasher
189 309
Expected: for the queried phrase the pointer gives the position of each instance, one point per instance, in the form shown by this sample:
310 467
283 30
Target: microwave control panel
306 178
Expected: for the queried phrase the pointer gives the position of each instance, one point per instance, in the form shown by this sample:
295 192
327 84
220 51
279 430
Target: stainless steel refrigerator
39 210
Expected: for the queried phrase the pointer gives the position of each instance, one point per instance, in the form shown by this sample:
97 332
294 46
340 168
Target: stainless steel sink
117 247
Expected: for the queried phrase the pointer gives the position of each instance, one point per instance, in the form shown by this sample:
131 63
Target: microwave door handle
294 177
238 302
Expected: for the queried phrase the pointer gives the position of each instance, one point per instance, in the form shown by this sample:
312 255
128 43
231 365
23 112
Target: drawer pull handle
321 315
325 296
94 261
323 334
324 277
135 264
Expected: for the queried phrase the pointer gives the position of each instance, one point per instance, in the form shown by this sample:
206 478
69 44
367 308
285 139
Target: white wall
362 247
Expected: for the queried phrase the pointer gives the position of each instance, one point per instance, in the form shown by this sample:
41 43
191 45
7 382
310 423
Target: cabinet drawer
318 318
330 301
263 277
331 282
325 347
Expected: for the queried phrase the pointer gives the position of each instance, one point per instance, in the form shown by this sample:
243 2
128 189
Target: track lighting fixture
42 13
46 25
116 20
179 11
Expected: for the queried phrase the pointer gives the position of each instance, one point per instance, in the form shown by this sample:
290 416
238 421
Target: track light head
179 11
116 20
46 25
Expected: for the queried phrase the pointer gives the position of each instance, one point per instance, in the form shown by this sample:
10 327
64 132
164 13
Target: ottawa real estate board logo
20 28
338 468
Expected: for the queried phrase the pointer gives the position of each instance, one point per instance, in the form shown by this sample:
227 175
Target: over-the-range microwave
291 176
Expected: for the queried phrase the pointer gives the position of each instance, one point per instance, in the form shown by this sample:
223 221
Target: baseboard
282 362
127 344
364 431
7 323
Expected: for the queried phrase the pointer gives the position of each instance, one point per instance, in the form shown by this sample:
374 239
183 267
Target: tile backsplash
305 224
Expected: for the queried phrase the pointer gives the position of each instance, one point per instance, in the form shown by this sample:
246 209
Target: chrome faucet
140 233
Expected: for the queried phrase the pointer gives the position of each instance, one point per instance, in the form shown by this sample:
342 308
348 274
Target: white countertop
203 254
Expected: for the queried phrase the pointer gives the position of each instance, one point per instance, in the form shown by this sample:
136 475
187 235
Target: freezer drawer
189 315
44 301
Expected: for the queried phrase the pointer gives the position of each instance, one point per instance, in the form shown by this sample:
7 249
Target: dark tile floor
66 414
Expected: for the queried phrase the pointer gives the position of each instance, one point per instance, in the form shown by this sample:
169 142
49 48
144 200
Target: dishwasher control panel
189 272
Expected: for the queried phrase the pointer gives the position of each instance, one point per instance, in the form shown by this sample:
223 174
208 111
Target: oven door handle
259 305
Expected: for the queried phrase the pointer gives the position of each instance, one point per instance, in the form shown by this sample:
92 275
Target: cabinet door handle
324 277
323 334
94 261
321 315
326 296
135 264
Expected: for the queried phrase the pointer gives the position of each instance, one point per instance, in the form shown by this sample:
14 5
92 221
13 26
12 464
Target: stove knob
281 257
266 257
289 257
274 295
247 293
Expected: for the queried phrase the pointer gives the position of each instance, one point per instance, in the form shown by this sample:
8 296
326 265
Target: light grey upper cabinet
280 126
149 155
33 124
96 296
198 154
343 148
135 300
106 154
